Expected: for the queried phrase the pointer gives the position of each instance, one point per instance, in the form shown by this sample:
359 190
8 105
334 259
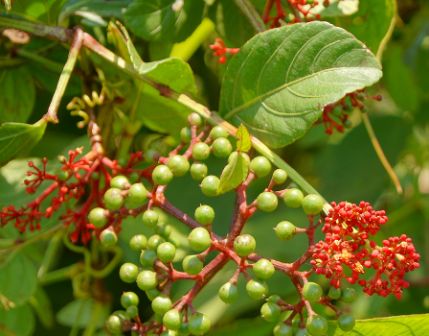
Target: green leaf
18 266
18 321
244 143
234 173
18 94
17 138
156 20
372 24
279 82
43 308
79 313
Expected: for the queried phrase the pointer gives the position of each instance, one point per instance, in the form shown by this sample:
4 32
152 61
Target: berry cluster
347 250
221 51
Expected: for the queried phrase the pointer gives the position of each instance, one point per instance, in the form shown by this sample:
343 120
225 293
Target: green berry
113 199
256 289
312 204
178 165
274 298
334 293
152 293
166 252
282 329
221 147
267 201
138 242
199 239
218 132
98 217
162 175
204 214
198 171
129 299
164 230
260 166
128 272
136 196
108 238
244 245
312 292
147 258
200 151
150 218
199 324
317 325
228 292
119 182
348 295
185 134
263 269
114 324
194 119
192 264
285 230
301 332
146 279
154 241
346 322
132 312
279 176
293 198
270 312
161 304
172 319
210 185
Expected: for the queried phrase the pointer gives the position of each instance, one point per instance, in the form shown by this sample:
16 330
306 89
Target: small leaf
43 308
280 81
18 94
17 138
79 313
18 321
244 143
234 173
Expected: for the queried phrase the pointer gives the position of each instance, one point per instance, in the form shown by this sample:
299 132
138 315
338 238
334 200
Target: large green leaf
17 138
18 321
279 82
18 94
156 19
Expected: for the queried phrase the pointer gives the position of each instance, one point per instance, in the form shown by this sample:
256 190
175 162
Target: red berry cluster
347 251
221 51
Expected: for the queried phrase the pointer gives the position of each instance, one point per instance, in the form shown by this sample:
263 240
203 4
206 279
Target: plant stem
61 274
252 15
380 153
47 63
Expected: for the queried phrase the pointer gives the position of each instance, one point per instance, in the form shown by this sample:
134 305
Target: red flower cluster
347 251
221 51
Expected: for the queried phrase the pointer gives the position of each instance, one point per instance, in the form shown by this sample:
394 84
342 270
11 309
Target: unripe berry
346 322
312 204
285 230
204 214
154 241
260 166
200 151
270 311
132 312
128 272
129 299
147 258
166 252
162 175
192 264
178 165
317 325
312 292
194 119
113 199
348 295
136 196
114 324
244 245
161 304
279 176
119 182
198 171
293 198
152 293
218 132
146 279
334 293
301 332
108 238
266 201
164 230
199 324
138 242
210 185
263 269
199 239
221 147
228 292
185 134
98 217
172 319
282 329
150 218
256 289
